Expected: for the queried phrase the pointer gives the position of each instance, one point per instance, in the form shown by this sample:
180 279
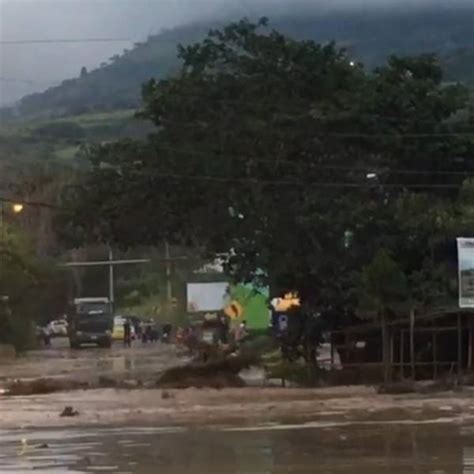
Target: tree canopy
292 161
31 289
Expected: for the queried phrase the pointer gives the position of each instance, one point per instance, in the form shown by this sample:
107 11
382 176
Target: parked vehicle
58 328
91 322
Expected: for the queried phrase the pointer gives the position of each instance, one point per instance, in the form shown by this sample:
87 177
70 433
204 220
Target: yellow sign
290 300
234 310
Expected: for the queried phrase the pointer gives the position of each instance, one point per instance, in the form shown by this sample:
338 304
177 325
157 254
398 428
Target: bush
17 331
23 334
61 130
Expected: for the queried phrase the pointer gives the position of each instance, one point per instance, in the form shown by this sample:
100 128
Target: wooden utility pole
402 356
169 288
412 343
471 335
385 348
459 348
110 263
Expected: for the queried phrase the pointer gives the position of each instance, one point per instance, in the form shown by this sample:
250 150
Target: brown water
369 449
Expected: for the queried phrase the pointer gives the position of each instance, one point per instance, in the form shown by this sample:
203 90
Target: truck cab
91 321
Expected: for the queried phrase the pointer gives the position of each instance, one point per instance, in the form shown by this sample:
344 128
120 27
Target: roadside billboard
466 272
239 302
204 297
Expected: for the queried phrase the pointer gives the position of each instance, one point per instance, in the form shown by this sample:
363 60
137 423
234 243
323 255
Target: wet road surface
118 362
351 430
428 449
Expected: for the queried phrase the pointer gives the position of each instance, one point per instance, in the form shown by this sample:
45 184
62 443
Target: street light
17 208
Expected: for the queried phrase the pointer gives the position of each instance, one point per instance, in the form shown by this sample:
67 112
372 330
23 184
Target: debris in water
406 387
69 411
25 447
214 374
43 386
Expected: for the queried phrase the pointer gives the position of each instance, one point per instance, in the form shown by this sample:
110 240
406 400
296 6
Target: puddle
365 449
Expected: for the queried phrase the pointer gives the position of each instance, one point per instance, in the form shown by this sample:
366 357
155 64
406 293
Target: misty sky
25 68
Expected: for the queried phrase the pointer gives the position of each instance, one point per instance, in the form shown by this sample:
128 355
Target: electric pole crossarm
105 263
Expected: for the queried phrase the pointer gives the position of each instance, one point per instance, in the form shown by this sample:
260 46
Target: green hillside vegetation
117 83
62 138
368 36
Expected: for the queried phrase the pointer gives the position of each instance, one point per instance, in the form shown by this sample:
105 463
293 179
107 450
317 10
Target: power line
322 167
27 81
28 203
309 110
279 182
349 135
64 40
396 135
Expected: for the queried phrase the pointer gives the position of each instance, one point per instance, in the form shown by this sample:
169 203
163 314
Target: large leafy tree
32 289
285 156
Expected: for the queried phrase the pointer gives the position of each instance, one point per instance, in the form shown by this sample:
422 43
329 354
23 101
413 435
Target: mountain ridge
369 36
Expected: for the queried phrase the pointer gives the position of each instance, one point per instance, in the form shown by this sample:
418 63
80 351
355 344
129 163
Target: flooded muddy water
364 449
61 361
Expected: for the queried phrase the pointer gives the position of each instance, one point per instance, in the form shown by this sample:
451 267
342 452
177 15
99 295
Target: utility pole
110 263
169 290
111 277
2 221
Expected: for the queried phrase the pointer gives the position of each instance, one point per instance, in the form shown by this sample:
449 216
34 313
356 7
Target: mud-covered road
352 449
137 401
253 430
59 361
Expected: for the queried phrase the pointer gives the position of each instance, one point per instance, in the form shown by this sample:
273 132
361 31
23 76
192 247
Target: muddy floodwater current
253 430
364 449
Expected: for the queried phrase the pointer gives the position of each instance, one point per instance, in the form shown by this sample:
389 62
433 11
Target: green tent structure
251 305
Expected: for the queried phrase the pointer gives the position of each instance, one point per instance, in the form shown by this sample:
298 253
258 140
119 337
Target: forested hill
370 36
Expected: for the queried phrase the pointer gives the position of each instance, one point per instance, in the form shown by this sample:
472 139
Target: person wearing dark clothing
223 330
127 334
46 337
146 334
138 329
154 334
167 330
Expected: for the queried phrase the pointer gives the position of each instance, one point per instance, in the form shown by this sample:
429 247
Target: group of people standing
226 333
223 333
146 332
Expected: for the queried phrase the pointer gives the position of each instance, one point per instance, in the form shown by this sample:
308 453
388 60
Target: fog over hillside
28 67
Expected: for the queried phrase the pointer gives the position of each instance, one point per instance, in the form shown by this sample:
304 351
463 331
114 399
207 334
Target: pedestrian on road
240 332
127 333
223 330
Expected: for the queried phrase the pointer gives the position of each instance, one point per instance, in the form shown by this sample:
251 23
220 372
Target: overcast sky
28 67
